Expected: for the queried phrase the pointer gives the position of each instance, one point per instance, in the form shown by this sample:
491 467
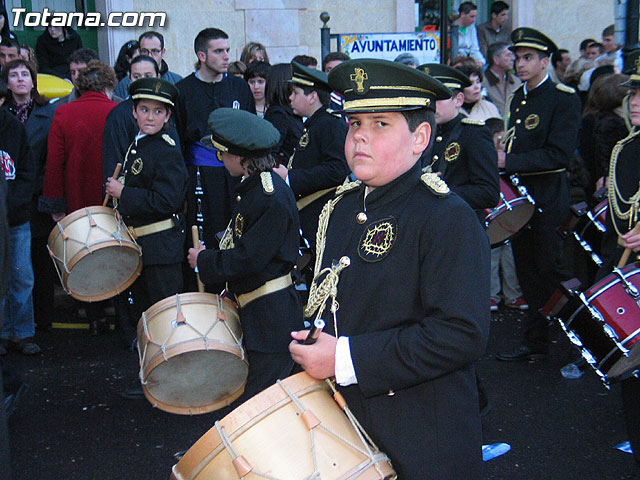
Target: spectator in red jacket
73 176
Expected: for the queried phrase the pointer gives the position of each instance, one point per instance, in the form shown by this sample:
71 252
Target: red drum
587 228
605 323
515 209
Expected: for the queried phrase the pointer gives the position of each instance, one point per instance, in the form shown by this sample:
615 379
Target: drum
605 323
515 209
94 254
292 430
191 355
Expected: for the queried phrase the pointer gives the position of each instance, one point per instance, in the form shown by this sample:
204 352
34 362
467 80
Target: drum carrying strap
271 286
305 201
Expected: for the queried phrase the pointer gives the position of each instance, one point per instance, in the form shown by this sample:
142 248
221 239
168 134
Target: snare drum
606 323
191 355
94 254
515 209
292 430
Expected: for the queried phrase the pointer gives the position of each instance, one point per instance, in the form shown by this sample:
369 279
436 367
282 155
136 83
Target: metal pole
444 28
325 36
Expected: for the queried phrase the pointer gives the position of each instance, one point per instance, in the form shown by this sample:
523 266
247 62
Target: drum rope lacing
300 406
117 235
142 355
631 214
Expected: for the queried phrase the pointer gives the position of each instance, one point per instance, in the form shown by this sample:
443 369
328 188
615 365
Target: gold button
435 157
518 122
238 198
391 393
133 152
438 138
361 218
517 110
523 102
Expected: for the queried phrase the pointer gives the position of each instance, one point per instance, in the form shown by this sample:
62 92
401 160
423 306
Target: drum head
626 366
197 381
508 222
104 272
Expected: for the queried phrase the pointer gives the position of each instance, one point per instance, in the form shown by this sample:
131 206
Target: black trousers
537 251
631 407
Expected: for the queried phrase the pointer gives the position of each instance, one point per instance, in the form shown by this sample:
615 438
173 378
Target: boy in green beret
150 193
259 248
405 264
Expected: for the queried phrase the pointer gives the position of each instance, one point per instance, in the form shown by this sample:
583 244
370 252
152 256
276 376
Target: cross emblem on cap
359 77
637 64
157 89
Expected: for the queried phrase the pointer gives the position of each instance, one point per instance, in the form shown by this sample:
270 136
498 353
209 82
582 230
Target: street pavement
72 423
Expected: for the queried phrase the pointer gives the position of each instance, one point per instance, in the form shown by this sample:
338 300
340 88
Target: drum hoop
190 298
237 428
104 296
167 407
518 201
613 281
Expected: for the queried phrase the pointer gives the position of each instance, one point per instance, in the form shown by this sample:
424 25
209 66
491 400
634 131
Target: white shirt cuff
345 371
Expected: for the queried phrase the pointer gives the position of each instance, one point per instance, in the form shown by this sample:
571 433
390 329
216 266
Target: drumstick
627 251
115 175
312 336
196 244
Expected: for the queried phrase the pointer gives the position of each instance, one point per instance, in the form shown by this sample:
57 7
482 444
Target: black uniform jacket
627 178
318 163
465 155
19 168
415 304
290 127
155 181
546 122
266 238
197 100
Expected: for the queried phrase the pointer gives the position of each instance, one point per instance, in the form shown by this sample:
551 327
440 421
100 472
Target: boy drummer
410 263
150 192
259 248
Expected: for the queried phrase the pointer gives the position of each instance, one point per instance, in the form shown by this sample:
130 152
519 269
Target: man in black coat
210 197
398 247
318 164
463 151
542 134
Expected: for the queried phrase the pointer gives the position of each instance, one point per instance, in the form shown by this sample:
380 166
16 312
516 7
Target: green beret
240 133
151 88
371 85
532 38
309 77
449 76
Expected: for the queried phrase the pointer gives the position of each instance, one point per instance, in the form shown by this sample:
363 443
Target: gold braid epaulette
565 88
435 184
267 182
472 121
631 214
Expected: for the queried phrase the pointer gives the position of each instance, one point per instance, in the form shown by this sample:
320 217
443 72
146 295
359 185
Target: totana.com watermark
91 19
